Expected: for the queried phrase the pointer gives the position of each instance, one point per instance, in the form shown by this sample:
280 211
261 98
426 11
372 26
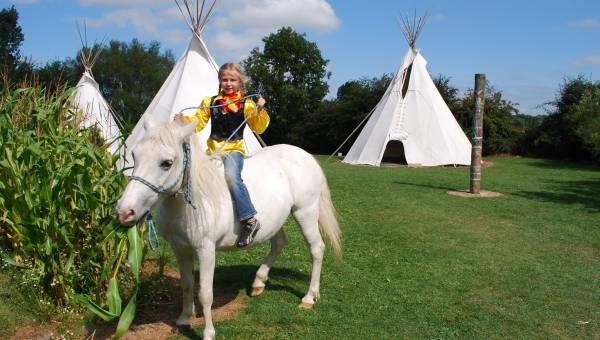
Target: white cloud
588 60
585 23
147 22
266 14
237 25
242 24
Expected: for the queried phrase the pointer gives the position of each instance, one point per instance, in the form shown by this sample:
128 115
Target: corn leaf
101 312
112 295
134 256
127 317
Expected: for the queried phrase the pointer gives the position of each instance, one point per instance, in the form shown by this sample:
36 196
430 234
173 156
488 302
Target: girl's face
229 81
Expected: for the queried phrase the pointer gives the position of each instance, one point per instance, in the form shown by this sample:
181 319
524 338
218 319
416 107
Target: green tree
498 132
586 113
11 38
449 93
59 73
292 74
326 128
557 136
130 74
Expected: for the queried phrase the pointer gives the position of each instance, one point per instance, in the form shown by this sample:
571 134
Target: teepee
88 100
413 113
194 77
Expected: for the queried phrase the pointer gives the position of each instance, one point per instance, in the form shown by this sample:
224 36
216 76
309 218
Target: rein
186 192
216 152
213 106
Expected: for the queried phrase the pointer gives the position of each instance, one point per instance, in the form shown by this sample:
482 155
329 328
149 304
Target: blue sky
525 48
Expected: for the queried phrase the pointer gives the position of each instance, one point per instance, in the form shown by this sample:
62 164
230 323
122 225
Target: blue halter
186 192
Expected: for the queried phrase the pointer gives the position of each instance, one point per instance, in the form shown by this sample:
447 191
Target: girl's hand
260 103
178 117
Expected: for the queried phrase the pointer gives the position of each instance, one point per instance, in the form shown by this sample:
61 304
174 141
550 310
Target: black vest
223 125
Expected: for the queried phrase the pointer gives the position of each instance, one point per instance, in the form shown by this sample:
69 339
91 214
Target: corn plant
58 189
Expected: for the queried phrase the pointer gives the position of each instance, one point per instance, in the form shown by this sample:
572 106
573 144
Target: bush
566 131
57 195
586 114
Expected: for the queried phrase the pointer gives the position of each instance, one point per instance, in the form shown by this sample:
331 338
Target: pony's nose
126 216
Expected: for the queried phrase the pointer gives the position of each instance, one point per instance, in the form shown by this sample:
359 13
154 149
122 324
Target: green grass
18 305
419 263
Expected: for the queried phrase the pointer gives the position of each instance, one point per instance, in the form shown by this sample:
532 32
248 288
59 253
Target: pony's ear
149 123
188 129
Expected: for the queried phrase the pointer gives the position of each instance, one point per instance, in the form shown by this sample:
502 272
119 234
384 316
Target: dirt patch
482 194
35 332
487 164
156 319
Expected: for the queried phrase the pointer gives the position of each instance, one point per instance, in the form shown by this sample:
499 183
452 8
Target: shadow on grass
563 165
421 185
160 297
241 277
584 192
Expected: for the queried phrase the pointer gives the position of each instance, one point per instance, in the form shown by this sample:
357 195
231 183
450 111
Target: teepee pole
477 143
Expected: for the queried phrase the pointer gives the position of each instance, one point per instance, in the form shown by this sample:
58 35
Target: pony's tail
328 223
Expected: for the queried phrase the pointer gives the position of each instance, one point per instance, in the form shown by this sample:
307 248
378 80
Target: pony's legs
308 218
262 275
185 260
206 254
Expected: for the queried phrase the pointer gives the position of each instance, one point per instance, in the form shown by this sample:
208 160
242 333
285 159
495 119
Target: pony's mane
206 177
208 185
157 136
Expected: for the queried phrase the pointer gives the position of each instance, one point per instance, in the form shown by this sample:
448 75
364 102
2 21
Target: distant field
419 263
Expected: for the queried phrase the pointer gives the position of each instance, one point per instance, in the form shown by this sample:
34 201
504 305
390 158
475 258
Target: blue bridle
186 192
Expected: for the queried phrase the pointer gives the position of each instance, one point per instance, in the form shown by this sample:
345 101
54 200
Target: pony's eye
166 164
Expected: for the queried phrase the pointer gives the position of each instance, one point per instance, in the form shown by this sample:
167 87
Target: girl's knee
230 178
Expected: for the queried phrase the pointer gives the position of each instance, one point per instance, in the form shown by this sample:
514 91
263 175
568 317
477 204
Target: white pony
195 212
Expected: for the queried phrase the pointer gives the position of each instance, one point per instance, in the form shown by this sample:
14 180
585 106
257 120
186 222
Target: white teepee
89 101
194 77
412 112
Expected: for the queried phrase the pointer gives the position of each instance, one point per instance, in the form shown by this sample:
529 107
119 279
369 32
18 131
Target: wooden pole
475 183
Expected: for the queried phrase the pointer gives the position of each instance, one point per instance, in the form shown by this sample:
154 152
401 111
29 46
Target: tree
449 93
587 114
59 73
498 133
326 128
130 74
558 136
292 74
11 38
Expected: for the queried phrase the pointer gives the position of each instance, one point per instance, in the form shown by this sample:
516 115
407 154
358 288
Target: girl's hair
237 70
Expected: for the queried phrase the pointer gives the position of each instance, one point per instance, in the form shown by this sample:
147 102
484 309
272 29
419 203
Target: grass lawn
419 263
18 307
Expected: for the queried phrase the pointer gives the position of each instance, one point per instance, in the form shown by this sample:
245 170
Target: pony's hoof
182 329
306 306
256 291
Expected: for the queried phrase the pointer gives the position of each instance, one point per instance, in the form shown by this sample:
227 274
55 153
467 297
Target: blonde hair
238 71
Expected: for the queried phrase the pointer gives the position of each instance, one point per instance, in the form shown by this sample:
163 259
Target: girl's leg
234 163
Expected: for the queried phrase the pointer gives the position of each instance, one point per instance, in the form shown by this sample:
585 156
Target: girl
230 112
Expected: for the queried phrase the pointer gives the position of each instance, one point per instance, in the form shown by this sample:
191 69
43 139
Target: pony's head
157 171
